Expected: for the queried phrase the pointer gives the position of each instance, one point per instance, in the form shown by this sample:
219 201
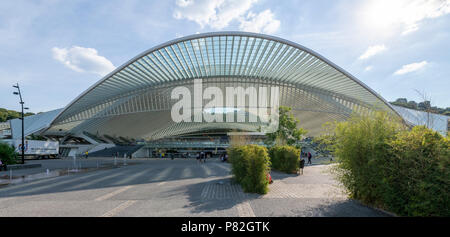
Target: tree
422 106
7 153
287 132
402 100
326 140
6 115
412 104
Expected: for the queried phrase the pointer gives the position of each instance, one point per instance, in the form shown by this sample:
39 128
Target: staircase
119 149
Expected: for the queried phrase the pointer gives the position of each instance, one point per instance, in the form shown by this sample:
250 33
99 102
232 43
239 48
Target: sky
56 49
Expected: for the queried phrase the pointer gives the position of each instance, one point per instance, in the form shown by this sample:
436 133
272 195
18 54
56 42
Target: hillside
6 114
422 106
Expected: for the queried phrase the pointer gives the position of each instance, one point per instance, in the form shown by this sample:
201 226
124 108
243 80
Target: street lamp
23 132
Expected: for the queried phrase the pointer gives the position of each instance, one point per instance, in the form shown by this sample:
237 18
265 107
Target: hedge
250 165
7 154
285 158
384 164
419 174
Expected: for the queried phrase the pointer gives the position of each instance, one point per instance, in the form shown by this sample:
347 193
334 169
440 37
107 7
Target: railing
193 144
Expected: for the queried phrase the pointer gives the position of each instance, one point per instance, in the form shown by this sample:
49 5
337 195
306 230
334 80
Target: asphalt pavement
180 187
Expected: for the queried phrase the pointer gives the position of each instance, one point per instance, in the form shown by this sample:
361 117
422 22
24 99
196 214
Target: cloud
372 50
405 14
410 68
215 13
218 14
368 68
263 22
83 60
417 11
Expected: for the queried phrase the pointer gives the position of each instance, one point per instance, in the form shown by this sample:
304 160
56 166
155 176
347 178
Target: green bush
285 158
362 148
419 174
383 164
250 165
7 154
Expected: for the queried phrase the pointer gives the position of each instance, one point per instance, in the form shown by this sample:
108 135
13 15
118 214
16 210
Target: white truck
36 149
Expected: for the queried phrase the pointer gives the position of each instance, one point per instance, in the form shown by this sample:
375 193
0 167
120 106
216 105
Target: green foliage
7 154
36 137
327 139
287 132
423 106
250 165
362 149
419 174
285 158
383 164
6 115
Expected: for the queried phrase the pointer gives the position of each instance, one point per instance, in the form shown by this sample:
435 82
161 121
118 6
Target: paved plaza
153 187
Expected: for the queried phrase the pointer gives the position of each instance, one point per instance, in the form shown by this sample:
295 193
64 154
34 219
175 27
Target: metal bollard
74 162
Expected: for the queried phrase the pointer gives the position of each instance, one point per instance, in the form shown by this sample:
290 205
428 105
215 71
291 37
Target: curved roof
223 56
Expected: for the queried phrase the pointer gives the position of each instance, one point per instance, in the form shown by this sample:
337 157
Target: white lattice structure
134 100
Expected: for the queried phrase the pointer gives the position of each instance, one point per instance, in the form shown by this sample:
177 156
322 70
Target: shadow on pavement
215 195
144 173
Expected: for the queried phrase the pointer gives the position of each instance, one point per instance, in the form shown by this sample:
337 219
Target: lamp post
23 127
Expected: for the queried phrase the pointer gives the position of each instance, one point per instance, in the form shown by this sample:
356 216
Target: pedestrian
202 157
86 154
3 166
302 164
198 157
309 158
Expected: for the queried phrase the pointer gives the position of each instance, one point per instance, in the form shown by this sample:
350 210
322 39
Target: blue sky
56 49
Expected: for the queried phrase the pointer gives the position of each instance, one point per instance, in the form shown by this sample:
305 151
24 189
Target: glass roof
226 55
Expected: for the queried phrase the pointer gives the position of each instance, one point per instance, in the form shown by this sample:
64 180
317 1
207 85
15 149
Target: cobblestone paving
223 190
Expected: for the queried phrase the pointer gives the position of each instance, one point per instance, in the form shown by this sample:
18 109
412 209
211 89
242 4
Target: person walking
86 154
301 165
202 157
309 158
198 158
3 166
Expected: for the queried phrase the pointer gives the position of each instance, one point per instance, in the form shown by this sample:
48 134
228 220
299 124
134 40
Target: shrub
383 164
361 146
419 174
7 154
285 158
250 165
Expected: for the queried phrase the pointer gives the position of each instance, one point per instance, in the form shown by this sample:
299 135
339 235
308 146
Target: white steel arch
134 99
